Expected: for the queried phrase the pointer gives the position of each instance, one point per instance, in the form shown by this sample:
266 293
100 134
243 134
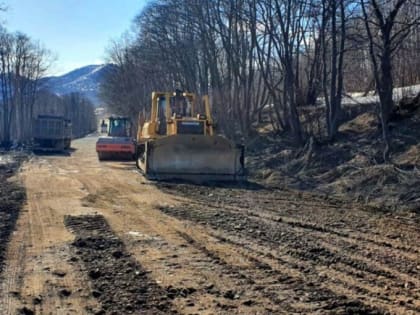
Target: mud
343 259
12 198
120 283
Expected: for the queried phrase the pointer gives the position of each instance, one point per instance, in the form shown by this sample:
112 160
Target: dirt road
97 238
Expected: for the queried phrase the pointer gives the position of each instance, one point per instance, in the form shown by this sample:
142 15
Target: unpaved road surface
97 238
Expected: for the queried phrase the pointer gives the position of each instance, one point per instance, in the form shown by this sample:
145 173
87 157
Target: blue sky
76 31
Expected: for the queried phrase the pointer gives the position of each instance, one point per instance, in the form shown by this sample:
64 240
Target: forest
23 64
270 58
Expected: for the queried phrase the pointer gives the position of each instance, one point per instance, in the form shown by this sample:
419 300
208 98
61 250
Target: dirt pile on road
120 283
351 168
12 197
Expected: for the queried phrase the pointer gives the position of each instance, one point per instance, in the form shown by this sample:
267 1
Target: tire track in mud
341 283
377 280
119 282
370 248
293 293
362 236
269 201
288 294
362 253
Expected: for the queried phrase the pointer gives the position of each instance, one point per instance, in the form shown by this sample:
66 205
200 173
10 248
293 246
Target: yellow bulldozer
178 142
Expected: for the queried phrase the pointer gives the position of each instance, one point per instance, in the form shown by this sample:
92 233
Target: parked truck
52 133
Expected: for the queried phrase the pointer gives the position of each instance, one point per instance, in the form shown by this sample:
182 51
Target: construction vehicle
118 144
178 142
52 133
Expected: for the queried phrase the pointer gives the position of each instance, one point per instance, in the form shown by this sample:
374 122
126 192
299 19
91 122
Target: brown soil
326 256
97 238
112 270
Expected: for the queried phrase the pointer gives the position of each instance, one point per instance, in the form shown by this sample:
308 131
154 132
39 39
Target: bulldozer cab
175 114
181 105
119 127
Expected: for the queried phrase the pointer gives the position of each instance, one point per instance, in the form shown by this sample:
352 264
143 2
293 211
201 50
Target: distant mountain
85 80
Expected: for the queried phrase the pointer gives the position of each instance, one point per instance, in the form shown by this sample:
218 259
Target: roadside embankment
12 197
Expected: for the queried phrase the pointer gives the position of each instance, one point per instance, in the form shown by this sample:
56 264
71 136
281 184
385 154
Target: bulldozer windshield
180 105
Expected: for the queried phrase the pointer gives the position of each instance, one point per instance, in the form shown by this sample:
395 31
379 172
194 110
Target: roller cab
118 144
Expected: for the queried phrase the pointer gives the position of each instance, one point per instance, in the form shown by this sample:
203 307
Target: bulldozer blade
196 158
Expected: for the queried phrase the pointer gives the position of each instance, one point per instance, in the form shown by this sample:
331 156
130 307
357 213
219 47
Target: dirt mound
120 284
360 124
382 186
352 166
406 107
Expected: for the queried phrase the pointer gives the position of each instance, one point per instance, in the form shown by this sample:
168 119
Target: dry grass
350 168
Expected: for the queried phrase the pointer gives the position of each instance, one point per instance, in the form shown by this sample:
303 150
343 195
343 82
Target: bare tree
251 56
279 48
334 32
22 63
385 32
6 43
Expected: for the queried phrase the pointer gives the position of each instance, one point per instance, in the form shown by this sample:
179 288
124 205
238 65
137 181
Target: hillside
85 80
351 168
